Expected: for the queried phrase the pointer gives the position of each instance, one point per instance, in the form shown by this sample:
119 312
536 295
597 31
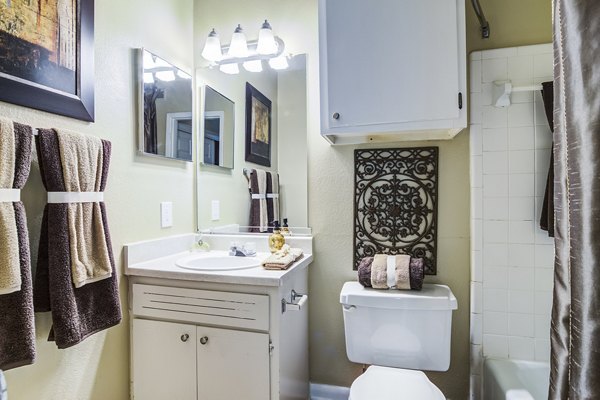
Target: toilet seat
384 383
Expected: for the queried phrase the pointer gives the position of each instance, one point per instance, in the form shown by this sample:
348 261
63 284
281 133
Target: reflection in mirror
218 129
228 198
165 108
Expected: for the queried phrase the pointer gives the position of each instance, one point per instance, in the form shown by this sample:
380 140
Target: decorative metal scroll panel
395 209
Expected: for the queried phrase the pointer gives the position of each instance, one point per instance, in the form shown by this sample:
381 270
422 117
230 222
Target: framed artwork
47 55
258 127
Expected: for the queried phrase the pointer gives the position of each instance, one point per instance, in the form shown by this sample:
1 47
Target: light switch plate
166 214
216 210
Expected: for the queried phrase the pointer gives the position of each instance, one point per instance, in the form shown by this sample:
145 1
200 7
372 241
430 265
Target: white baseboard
328 392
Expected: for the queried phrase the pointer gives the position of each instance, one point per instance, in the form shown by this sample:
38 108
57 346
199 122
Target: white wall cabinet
392 69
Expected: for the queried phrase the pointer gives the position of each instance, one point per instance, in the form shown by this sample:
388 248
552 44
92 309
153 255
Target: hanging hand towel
259 220
17 328
273 196
80 312
81 160
10 267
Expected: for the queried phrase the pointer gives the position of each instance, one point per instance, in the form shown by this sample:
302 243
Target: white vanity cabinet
219 341
392 69
177 361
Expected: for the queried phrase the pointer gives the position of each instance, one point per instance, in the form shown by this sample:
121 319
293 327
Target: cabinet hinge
460 101
271 348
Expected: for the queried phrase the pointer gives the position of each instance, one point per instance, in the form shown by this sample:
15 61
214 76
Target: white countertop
166 268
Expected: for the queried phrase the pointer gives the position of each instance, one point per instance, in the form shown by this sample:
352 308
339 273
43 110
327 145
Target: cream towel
379 272
283 259
403 272
10 265
81 159
261 176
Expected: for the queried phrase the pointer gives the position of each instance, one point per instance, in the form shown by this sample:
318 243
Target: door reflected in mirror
219 128
165 108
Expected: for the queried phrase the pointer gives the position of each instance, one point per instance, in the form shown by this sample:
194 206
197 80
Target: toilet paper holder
294 305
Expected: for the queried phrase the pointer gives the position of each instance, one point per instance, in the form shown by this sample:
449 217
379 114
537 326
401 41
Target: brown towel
81 160
10 266
259 219
76 312
416 273
17 327
273 197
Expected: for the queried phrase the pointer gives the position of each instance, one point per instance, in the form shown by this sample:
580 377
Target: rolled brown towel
417 272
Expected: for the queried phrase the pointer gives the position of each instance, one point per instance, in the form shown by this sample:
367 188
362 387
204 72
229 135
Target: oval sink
217 263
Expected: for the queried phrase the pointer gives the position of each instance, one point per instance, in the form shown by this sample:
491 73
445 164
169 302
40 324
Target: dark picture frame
79 105
258 127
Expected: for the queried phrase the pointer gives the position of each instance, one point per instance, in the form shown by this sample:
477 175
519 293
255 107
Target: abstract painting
46 55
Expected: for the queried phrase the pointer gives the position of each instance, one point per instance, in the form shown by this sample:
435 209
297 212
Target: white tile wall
511 258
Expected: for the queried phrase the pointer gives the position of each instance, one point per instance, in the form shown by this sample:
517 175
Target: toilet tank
399 328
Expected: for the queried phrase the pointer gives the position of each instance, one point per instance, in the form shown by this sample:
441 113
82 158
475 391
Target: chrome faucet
241 251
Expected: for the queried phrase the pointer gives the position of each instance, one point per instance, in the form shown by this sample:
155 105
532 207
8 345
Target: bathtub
515 380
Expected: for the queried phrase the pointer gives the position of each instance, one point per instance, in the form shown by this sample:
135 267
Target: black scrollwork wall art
395 209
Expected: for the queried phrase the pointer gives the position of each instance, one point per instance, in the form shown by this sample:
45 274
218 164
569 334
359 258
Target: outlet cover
216 210
166 214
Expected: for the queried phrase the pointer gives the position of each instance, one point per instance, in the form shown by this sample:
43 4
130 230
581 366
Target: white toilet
392 330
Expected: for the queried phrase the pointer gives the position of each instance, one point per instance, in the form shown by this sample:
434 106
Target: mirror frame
140 93
201 128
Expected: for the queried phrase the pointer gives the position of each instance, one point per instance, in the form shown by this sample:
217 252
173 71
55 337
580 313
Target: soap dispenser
285 230
276 240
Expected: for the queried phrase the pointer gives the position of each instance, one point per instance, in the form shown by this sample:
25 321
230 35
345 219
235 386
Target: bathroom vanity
216 334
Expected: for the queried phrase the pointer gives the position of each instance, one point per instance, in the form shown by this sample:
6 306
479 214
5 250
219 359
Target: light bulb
238 47
230 69
165 76
148 78
280 62
212 47
253 66
266 40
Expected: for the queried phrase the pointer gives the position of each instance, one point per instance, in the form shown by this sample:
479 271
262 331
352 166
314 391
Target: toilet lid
383 383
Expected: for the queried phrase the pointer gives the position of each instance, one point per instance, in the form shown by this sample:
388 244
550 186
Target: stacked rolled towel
75 276
392 272
17 328
283 259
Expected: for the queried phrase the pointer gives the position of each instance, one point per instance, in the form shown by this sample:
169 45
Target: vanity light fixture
148 77
253 66
266 40
230 69
212 47
268 47
238 47
278 63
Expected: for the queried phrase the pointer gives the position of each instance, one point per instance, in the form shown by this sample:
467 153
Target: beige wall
99 367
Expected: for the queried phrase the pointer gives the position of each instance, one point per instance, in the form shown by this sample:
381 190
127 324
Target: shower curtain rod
485 26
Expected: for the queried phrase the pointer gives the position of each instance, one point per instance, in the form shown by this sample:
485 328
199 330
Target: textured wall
99 367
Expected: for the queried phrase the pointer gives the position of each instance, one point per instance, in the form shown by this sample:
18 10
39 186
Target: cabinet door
232 364
164 361
389 61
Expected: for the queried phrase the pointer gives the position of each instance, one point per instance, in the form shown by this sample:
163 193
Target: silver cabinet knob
185 337
336 115
204 340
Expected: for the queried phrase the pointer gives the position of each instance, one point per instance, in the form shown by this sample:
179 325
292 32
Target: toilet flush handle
349 308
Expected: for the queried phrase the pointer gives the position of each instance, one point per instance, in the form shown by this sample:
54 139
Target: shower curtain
575 333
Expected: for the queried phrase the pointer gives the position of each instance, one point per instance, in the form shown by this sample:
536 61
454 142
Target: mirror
218 133
225 202
166 121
